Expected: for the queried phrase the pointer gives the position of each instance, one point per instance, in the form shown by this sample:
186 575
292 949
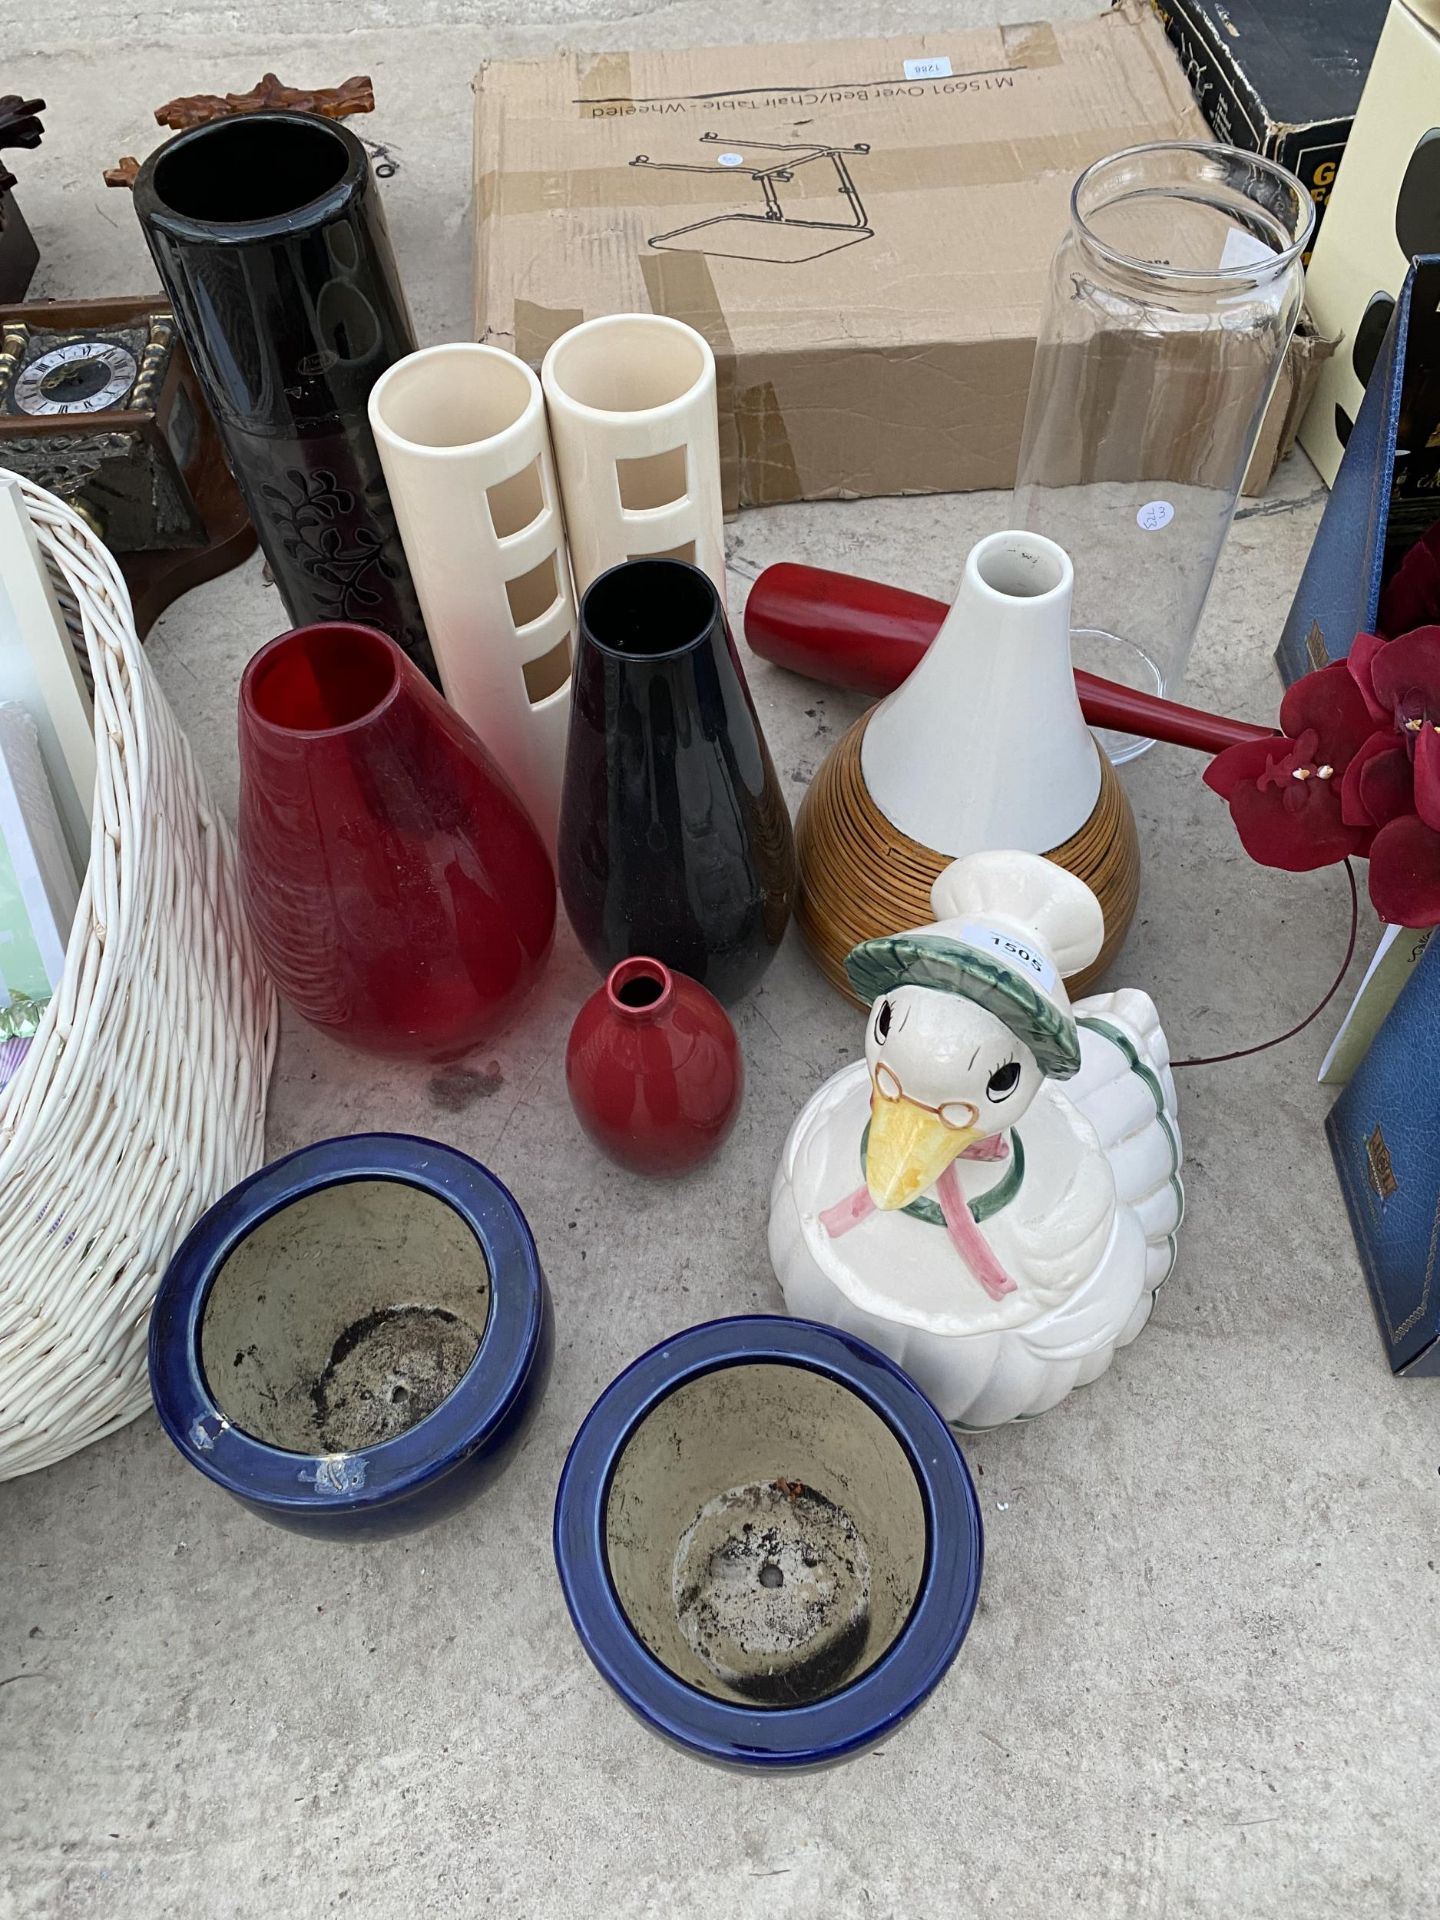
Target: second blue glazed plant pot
675 841
769 1542
353 1340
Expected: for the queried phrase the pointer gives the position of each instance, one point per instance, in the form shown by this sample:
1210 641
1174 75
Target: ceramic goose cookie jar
992 1195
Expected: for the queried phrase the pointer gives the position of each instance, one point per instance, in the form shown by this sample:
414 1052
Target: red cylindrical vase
401 896
654 1069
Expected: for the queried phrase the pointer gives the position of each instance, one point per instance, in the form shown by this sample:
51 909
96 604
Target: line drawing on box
770 234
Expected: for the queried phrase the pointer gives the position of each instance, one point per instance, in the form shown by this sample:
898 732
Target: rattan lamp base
860 876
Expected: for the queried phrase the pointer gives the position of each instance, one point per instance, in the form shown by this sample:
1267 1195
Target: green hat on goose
1009 927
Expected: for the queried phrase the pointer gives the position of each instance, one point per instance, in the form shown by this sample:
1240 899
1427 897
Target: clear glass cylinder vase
1171 301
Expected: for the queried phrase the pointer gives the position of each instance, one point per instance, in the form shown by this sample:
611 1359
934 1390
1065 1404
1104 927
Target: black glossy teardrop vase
675 840
270 239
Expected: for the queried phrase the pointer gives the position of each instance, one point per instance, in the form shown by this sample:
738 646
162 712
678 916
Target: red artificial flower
1412 596
1284 793
1355 770
1392 785
1405 873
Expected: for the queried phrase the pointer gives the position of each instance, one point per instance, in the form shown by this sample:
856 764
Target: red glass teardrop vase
401 896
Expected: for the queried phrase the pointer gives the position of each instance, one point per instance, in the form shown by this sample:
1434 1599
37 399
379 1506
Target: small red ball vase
654 1069
399 893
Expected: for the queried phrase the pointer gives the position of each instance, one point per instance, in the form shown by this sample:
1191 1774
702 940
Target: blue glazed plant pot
769 1542
352 1341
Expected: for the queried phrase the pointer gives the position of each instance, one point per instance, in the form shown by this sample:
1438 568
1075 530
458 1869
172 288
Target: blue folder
1339 591
1384 1133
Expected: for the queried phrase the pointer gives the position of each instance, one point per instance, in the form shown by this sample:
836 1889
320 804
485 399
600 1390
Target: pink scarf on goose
965 1235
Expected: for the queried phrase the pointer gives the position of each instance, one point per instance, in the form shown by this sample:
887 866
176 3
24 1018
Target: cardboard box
862 229
1307 353
1281 78
1385 208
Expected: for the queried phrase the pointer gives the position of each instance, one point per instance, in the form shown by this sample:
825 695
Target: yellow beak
908 1150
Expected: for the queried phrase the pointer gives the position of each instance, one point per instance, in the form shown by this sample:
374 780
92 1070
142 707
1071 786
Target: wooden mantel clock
98 402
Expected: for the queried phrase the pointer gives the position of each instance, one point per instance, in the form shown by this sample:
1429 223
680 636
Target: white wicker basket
142 1097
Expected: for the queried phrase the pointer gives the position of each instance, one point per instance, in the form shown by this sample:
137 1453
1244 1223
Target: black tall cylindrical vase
675 841
270 239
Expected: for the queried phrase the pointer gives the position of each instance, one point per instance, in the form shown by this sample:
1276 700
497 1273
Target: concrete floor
1202 1677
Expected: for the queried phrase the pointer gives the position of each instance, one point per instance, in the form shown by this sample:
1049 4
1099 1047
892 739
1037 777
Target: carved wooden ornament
355 95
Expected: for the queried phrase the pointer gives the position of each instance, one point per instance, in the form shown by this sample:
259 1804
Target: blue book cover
1339 591
1384 1134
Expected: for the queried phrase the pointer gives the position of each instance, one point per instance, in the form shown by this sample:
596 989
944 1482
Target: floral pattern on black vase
315 516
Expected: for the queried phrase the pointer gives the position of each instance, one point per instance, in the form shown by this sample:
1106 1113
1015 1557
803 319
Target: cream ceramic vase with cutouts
466 453
631 399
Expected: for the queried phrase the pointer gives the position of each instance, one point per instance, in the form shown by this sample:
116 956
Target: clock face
87 376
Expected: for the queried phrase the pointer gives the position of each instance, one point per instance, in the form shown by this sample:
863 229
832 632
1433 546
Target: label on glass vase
1154 515
1242 249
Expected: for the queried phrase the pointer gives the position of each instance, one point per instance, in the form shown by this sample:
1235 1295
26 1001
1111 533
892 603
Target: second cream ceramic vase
983 746
631 400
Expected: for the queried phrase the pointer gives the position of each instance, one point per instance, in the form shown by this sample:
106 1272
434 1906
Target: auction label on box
935 66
